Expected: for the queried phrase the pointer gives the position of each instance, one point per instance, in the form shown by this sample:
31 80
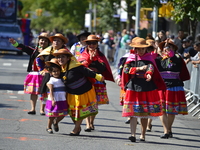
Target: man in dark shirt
188 50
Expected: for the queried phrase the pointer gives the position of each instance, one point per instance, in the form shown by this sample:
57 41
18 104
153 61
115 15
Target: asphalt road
18 130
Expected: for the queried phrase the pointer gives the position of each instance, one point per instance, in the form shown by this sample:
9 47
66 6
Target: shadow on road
7 106
13 55
14 87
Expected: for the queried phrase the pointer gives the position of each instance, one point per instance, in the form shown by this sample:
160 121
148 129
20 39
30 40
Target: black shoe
170 135
132 138
49 130
75 134
164 136
142 140
88 130
55 127
149 130
31 112
42 114
91 128
127 121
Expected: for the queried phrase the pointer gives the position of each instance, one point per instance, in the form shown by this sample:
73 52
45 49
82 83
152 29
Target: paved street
18 130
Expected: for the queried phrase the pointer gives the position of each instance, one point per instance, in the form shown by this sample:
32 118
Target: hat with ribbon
139 43
59 35
62 51
92 37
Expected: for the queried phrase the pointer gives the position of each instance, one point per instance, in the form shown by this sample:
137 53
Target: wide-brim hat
168 41
44 35
59 35
83 33
150 42
52 61
62 52
92 37
139 43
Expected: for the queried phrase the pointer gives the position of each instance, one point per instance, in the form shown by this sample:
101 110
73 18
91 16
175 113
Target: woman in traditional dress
141 81
173 71
33 80
81 95
94 59
58 42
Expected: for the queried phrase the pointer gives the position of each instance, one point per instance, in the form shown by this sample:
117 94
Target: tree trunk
193 26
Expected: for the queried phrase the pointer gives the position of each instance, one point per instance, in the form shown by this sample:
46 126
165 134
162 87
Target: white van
10 31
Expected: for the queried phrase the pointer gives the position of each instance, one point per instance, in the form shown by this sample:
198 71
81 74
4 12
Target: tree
189 10
65 15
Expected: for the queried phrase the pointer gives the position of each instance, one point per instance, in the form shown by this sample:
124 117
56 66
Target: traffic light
146 13
39 12
166 10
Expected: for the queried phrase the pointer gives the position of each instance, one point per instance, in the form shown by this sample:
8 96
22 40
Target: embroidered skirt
174 101
82 106
101 93
142 104
60 109
32 83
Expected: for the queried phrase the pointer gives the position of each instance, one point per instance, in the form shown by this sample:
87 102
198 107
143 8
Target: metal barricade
192 88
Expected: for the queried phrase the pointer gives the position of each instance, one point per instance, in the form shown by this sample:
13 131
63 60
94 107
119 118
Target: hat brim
161 45
139 45
43 37
61 53
49 63
92 40
63 38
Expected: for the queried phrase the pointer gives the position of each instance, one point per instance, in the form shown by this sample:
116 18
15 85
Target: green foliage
105 7
65 14
186 9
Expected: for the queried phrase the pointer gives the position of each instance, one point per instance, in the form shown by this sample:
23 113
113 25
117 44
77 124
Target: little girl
56 106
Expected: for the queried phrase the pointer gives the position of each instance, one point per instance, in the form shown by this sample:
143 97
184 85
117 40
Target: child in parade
56 105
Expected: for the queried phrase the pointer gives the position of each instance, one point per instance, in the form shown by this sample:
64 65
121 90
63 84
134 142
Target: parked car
7 31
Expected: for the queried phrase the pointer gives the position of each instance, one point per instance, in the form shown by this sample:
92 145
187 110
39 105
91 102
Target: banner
8 11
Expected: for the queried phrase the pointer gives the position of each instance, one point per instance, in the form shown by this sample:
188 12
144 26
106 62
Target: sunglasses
91 43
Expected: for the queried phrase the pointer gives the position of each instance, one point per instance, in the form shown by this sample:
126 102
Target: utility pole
155 21
90 9
137 21
95 17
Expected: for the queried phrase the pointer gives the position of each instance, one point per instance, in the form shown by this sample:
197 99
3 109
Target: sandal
49 130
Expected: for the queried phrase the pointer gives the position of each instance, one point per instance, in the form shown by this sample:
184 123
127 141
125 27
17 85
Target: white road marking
13 96
20 92
25 65
6 64
9 91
